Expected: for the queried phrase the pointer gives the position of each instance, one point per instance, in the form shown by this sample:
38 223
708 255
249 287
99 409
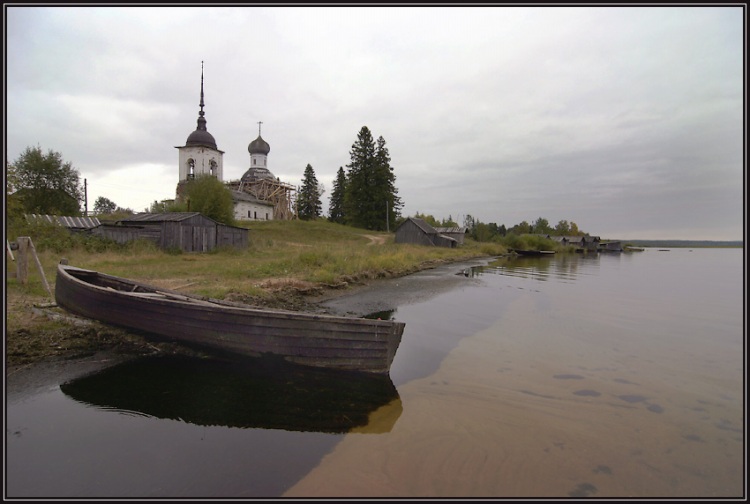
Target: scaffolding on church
279 194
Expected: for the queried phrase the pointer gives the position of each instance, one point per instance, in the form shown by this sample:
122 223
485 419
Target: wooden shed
457 233
611 246
186 231
582 243
417 231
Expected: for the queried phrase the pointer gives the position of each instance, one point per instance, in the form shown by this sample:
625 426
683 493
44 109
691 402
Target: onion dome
259 146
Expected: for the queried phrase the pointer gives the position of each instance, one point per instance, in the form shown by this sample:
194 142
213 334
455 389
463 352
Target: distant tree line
487 232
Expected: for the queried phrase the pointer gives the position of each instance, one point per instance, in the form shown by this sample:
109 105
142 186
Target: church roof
201 137
243 196
259 146
257 173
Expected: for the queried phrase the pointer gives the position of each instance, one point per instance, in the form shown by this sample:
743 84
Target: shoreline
60 346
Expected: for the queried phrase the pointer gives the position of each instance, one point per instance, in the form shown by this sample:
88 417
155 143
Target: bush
529 242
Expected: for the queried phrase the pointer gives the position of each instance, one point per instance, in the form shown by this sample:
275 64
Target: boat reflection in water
264 393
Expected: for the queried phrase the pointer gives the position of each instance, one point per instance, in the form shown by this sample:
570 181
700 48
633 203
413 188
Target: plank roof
161 217
65 221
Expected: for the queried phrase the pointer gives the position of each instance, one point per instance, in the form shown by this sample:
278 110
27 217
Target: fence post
22 260
26 247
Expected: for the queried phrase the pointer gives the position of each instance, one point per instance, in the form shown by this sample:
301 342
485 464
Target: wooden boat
348 343
533 252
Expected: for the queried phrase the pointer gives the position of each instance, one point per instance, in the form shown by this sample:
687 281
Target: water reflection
381 315
562 267
252 393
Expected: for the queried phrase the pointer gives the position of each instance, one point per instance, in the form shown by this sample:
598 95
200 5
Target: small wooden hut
417 231
457 233
186 231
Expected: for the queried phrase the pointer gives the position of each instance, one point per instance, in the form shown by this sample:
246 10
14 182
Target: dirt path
375 239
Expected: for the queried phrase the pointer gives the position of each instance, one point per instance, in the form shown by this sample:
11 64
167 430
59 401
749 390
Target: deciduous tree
541 226
208 195
104 205
45 184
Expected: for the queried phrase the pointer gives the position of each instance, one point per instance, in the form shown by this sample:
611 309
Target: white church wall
245 210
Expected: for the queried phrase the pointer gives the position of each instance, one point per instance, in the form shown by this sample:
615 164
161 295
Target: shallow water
617 375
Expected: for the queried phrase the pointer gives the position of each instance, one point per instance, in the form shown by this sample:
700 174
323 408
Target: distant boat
533 252
348 343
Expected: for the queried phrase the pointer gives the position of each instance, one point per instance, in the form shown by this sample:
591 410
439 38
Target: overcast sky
625 120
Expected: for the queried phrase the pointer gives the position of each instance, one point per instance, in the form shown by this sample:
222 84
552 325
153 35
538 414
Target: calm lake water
613 375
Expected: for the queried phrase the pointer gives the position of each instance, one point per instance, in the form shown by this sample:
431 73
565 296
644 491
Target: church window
191 168
255 161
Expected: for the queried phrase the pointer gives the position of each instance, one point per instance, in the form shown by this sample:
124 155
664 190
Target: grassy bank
286 263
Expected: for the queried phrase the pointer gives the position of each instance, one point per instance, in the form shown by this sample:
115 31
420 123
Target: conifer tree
386 193
370 199
309 206
359 180
336 206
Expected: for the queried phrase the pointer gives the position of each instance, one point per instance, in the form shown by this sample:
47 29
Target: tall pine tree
370 198
386 193
309 206
357 205
336 206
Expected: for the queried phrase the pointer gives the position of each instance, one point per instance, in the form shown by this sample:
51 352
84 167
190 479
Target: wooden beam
26 248
9 250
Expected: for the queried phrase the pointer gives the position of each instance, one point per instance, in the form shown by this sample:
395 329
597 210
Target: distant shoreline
683 243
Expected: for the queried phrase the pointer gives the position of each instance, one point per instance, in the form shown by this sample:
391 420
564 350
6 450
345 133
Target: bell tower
199 155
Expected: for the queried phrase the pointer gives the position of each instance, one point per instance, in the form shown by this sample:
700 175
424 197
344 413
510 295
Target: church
257 195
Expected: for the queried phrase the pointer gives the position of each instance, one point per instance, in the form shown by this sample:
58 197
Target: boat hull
309 339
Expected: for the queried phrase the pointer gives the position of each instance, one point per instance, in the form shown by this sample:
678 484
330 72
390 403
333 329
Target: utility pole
387 217
85 199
